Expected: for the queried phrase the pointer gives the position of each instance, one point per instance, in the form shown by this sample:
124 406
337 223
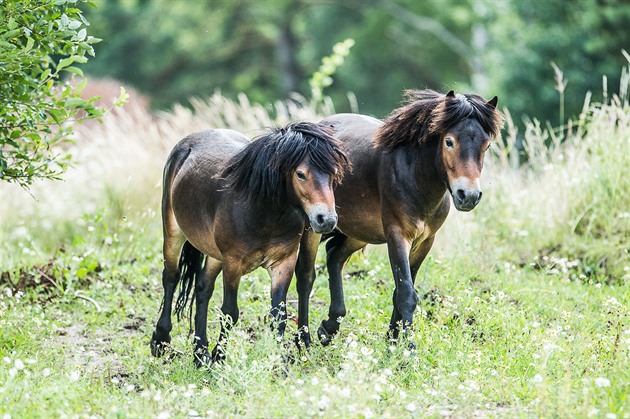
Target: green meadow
524 303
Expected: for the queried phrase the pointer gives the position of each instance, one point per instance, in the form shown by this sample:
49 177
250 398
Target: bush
40 41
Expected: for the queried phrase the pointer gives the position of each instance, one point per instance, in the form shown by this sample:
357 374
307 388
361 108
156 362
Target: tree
583 39
40 42
178 49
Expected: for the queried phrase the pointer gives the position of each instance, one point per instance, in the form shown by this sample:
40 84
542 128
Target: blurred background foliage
173 50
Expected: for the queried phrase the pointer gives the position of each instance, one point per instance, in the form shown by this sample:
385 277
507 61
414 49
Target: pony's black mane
427 114
259 172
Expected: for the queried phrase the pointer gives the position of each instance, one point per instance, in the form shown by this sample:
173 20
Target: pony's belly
362 226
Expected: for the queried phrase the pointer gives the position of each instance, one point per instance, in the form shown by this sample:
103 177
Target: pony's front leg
338 249
281 273
305 276
405 298
232 273
204 288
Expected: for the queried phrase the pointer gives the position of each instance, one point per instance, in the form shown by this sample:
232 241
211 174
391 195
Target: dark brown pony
404 170
240 205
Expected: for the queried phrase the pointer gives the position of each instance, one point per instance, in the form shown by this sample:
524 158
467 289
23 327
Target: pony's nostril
461 194
479 197
320 219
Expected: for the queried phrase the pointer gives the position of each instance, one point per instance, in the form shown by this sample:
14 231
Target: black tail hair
190 267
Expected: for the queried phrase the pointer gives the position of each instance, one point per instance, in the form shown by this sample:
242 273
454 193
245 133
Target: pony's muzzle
466 200
322 221
466 195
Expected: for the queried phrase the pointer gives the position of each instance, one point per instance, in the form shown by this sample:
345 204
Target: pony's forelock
260 170
426 114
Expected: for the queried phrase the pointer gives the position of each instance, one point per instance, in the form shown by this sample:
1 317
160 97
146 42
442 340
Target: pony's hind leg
170 277
338 250
173 242
203 292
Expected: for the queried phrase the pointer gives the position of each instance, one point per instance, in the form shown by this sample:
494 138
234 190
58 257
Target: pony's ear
450 94
493 102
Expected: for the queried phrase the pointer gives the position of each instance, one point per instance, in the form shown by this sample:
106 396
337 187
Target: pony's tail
190 268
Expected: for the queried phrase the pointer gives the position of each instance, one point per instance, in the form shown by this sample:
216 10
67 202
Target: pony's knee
304 285
231 314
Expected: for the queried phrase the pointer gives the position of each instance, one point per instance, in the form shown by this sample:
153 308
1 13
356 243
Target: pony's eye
449 142
487 147
300 175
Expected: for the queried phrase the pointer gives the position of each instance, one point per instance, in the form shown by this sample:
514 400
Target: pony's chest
278 252
267 247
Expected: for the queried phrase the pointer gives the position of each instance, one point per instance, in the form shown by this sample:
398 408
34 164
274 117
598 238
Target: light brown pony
404 170
243 205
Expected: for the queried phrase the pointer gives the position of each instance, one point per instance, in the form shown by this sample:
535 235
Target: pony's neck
428 172
275 217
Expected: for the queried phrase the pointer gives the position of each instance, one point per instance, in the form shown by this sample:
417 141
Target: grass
523 311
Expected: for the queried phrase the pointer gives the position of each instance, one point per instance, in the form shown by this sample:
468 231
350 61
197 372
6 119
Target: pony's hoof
218 354
158 346
203 359
392 335
324 336
303 340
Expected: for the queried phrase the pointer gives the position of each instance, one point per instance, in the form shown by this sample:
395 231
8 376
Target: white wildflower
602 382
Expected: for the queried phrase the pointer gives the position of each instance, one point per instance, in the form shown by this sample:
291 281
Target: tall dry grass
115 180
568 200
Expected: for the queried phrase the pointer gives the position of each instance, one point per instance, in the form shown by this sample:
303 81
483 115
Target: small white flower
411 407
537 378
323 403
46 372
74 375
18 364
602 382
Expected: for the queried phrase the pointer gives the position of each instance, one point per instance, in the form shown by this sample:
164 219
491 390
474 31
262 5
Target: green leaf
6 44
74 70
64 63
11 34
74 24
79 59
74 102
29 44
